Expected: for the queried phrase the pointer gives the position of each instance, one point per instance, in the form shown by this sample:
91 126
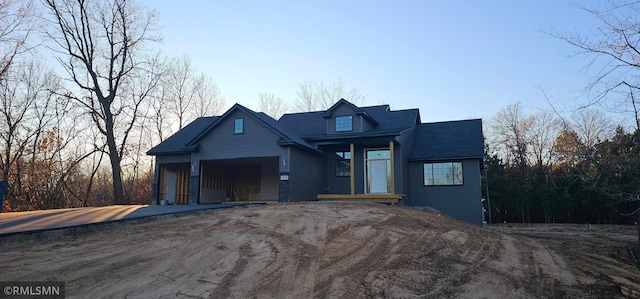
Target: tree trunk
114 157
637 249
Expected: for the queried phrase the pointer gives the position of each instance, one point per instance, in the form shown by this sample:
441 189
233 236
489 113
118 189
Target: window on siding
443 174
343 163
239 126
344 123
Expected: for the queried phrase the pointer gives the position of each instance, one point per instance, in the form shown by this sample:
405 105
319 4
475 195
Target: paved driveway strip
37 221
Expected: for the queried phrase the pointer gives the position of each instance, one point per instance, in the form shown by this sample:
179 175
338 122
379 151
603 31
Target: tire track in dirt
309 250
223 289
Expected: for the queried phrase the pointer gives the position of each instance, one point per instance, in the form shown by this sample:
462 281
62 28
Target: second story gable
345 120
344 117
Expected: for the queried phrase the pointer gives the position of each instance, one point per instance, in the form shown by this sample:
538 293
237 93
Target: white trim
364 166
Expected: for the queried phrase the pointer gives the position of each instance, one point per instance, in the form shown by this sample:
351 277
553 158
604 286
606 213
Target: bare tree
182 89
101 45
17 22
139 90
614 50
209 99
544 130
272 105
159 102
191 95
511 129
31 138
592 126
314 96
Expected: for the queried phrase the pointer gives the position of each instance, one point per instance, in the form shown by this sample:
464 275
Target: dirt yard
325 250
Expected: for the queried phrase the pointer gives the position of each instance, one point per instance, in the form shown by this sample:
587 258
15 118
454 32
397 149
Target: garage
239 180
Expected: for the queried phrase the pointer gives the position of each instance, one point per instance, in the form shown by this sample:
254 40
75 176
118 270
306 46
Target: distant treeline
546 169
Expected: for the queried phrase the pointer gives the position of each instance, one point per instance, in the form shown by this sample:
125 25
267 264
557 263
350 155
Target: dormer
345 117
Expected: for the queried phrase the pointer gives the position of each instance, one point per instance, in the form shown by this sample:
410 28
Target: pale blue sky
452 59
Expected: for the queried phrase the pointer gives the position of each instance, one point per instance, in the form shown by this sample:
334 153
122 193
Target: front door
378 163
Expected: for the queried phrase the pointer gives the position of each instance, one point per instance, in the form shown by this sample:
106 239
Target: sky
451 59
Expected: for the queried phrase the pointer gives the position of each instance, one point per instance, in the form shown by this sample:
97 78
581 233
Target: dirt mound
296 251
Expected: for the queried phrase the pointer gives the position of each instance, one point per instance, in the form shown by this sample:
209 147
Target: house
344 153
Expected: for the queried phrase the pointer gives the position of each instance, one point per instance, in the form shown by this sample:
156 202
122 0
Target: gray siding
360 124
397 168
402 167
460 202
359 169
336 184
307 175
257 141
185 158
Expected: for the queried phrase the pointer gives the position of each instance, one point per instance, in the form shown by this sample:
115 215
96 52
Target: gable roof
448 140
286 137
313 125
357 110
432 141
177 143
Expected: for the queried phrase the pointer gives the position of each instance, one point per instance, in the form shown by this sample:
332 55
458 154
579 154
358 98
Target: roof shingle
175 143
448 140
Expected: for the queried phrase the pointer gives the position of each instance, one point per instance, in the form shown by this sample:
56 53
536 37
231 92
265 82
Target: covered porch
377 170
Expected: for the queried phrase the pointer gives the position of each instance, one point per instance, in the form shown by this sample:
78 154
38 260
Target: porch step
386 198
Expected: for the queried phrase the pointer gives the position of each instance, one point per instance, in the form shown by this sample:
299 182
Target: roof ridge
452 121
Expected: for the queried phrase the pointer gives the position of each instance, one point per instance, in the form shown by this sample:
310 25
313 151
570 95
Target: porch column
351 169
392 172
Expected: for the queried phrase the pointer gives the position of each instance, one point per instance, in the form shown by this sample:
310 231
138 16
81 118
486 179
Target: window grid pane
239 126
443 174
428 174
457 173
343 163
344 123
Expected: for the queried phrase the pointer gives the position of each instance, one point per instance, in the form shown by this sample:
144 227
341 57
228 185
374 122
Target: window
239 126
344 123
443 174
343 163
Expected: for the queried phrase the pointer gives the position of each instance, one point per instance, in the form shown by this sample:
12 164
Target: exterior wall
307 175
360 124
257 141
222 143
402 164
283 188
397 168
359 169
336 184
460 202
